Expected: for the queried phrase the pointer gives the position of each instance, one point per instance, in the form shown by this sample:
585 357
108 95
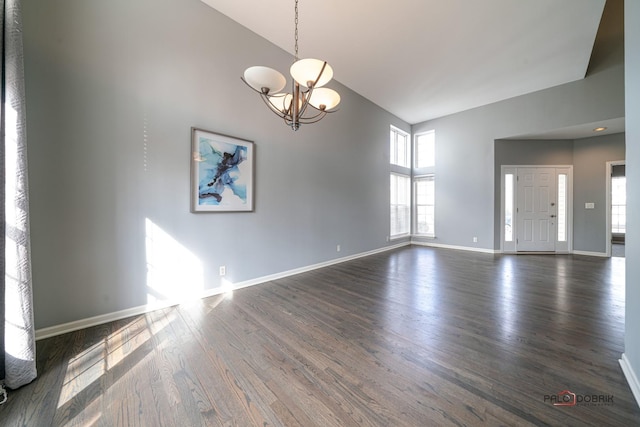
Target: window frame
419 173
402 169
415 205
394 152
407 205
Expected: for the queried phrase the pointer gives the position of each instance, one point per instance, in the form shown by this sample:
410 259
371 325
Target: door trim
511 247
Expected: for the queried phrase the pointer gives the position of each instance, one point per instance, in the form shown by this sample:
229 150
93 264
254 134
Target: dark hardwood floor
412 337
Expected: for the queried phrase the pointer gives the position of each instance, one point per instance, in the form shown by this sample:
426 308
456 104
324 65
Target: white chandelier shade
324 99
264 78
306 71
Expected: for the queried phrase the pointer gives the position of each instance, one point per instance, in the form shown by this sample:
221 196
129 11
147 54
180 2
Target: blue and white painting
223 172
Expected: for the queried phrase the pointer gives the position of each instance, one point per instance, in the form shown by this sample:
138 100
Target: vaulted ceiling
423 59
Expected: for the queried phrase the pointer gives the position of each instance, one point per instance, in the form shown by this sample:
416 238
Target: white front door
536 210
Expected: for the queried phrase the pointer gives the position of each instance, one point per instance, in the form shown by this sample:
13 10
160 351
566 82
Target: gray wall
113 89
465 170
632 82
532 152
588 157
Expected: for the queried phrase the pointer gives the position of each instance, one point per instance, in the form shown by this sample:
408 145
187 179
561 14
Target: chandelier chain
296 32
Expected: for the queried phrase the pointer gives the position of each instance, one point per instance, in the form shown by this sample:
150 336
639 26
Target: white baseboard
631 377
63 328
599 254
142 309
459 248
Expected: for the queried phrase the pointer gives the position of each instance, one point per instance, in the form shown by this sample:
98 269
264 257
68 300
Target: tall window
618 204
424 186
425 205
399 145
400 182
425 150
400 205
562 207
508 207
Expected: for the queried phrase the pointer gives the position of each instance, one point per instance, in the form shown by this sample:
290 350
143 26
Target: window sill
399 237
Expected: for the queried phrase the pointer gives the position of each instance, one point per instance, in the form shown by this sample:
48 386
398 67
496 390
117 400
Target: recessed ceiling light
600 129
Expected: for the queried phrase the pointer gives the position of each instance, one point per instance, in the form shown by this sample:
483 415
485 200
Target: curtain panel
17 337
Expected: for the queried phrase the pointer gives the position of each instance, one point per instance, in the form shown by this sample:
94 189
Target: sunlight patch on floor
92 365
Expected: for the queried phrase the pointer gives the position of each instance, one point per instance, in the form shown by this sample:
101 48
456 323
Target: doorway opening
616 208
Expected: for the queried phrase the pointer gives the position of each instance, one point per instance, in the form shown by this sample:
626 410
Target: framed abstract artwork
222 169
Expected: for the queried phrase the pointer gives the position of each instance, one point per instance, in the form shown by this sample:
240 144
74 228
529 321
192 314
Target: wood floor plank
177 388
237 386
411 337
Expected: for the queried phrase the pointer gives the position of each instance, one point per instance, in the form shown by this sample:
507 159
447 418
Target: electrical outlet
223 270
338 248
475 239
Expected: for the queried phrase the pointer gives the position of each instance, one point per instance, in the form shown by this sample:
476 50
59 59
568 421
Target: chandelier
308 101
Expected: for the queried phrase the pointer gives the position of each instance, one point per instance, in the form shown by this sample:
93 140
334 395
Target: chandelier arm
312 116
319 112
272 107
251 87
306 119
320 74
305 104
309 92
267 100
314 119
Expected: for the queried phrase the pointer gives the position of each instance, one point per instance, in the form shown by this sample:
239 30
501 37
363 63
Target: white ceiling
423 59
586 130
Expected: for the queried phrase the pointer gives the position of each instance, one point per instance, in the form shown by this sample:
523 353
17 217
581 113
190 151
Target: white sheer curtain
17 340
